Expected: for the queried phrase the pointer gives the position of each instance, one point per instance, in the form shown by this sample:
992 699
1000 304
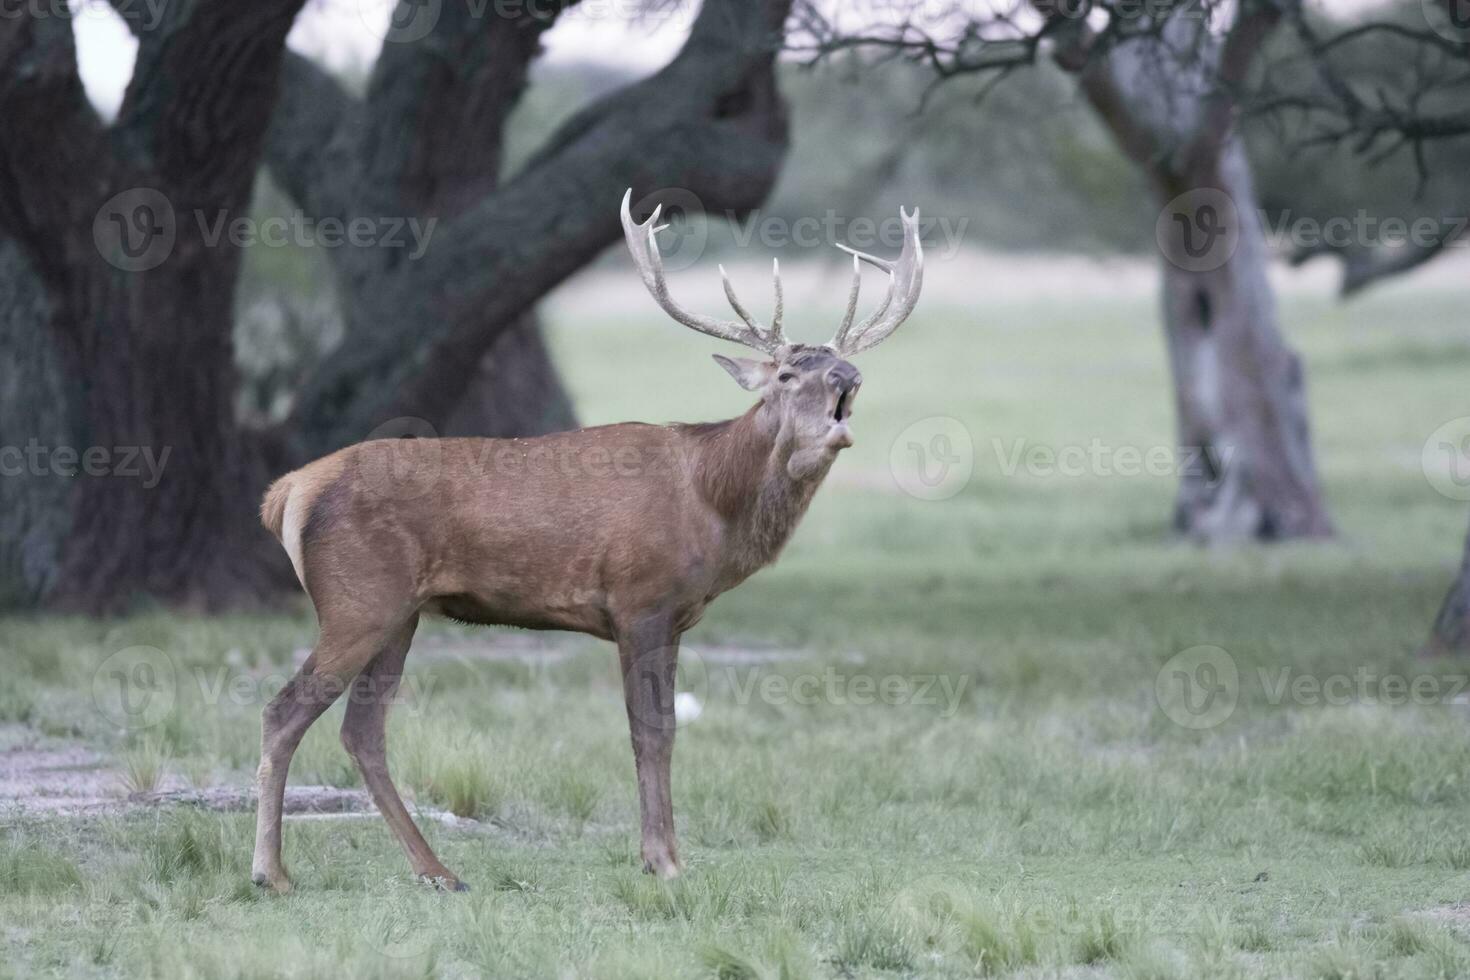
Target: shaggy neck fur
741 471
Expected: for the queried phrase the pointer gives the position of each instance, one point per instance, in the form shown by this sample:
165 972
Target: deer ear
748 374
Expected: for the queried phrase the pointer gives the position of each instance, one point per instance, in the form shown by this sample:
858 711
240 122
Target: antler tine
839 339
644 249
905 280
775 331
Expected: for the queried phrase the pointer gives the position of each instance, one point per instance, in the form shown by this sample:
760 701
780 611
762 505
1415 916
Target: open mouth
842 411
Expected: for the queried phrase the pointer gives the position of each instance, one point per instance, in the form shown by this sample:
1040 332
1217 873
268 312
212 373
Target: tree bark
144 346
425 142
120 305
711 122
1247 469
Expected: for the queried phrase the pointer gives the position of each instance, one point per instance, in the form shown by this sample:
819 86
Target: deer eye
785 376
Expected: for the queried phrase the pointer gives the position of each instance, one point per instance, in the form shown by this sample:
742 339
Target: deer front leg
649 655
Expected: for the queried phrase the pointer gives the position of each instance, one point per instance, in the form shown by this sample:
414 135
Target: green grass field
932 742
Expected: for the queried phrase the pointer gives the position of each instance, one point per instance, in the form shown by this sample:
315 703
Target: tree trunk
1239 394
118 296
515 392
711 122
112 223
1451 633
1247 468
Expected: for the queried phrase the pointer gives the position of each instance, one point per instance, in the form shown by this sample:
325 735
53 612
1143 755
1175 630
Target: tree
127 340
1166 86
1389 85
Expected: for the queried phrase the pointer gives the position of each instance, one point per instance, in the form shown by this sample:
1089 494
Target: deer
625 532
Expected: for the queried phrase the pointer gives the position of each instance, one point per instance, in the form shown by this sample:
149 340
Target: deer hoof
280 884
664 867
445 883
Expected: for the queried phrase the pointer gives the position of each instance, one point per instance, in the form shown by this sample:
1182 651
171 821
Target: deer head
808 392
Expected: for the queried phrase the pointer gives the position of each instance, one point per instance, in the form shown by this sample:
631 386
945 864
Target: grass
1017 804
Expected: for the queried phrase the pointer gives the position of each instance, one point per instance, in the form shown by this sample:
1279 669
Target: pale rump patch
291 525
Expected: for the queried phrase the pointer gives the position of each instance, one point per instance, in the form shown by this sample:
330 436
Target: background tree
1165 85
113 350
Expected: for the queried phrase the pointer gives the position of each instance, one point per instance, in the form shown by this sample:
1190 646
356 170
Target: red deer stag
626 532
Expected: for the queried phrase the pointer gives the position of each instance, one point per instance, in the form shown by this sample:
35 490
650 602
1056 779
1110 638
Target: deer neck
742 473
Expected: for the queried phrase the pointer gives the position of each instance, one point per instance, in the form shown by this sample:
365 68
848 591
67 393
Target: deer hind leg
364 735
283 723
649 656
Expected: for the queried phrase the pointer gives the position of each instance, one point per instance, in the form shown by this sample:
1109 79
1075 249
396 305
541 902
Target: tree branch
53 147
308 142
710 122
203 87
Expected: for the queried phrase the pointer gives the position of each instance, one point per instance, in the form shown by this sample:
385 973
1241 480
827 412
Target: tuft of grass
874 942
186 844
1102 939
453 770
29 867
724 963
145 764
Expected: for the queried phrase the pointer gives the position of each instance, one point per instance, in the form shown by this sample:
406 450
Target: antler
751 333
905 279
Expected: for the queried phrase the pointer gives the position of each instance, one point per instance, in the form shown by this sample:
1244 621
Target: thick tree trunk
516 391
159 479
711 122
1239 391
1451 633
151 484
